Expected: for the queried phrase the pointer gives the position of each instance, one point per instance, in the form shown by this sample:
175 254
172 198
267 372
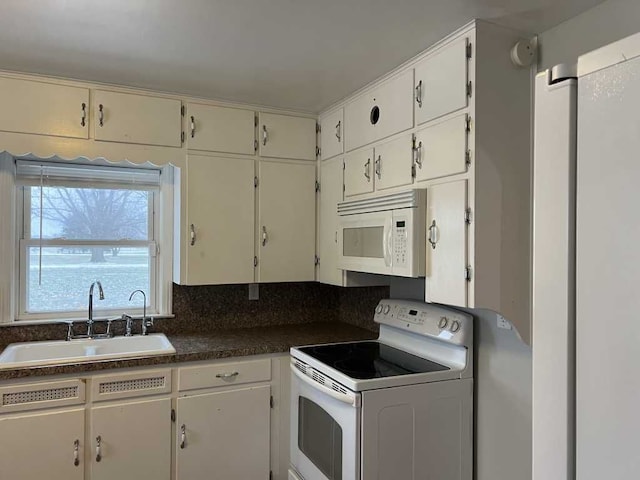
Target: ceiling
297 54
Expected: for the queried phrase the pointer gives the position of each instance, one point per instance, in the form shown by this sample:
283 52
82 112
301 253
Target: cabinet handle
83 118
183 436
264 236
419 94
433 239
226 376
193 126
101 115
336 237
338 131
367 169
265 135
378 166
192 234
418 155
76 453
98 448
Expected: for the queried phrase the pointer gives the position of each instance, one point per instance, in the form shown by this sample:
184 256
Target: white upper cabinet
375 115
129 118
43 108
359 173
441 149
331 173
441 82
220 129
219 226
446 244
331 134
285 136
393 162
287 203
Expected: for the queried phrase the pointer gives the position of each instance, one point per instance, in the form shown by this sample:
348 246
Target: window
79 224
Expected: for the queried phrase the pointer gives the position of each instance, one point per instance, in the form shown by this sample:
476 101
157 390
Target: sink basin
29 354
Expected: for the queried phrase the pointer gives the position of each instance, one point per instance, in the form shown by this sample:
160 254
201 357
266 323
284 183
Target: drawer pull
226 376
76 456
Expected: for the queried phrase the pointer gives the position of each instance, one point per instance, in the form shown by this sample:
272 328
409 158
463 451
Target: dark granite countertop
216 344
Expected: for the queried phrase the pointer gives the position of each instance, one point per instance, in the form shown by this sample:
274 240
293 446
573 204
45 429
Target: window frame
156 297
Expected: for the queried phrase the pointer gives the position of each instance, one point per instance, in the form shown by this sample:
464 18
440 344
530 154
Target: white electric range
398 408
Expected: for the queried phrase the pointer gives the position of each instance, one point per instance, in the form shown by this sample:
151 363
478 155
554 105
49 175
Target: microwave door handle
386 244
332 393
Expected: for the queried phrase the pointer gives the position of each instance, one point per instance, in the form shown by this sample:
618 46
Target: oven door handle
332 393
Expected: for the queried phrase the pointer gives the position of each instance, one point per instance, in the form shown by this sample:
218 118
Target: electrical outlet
504 323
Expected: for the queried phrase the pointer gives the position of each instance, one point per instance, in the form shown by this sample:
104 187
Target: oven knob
379 309
443 322
455 326
386 309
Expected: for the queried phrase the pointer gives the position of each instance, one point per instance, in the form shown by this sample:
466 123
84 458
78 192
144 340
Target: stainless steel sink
28 354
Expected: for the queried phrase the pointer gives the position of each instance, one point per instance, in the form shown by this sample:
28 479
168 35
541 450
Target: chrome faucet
90 316
145 323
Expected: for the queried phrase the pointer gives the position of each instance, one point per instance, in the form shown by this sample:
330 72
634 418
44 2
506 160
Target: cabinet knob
183 436
98 448
419 94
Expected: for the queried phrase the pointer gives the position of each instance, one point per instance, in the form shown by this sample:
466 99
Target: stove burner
366 360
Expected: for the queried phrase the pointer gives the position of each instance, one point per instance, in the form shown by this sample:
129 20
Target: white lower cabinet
445 280
43 445
224 435
130 440
286 221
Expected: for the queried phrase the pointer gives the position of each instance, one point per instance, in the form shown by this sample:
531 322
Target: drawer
129 385
224 374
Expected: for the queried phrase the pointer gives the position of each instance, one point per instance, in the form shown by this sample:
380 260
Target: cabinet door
223 435
42 445
359 173
44 108
446 244
331 134
287 204
220 129
129 118
380 113
441 82
441 149
220 213
393 163
284 136
134 440
331 178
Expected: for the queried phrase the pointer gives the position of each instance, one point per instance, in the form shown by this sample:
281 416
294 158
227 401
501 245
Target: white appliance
586 299
399 407
384 234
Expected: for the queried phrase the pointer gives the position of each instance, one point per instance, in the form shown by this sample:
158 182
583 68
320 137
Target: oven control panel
426 319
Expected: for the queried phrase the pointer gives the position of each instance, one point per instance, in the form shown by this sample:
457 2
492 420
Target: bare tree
97 214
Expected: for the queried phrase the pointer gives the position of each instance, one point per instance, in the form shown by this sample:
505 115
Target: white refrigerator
586 317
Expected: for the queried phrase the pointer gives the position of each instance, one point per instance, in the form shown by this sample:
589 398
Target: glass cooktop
365 360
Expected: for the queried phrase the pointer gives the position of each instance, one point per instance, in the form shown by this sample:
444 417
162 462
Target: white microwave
384 235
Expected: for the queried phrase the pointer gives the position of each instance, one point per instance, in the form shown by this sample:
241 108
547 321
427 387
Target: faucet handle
128 326
69 330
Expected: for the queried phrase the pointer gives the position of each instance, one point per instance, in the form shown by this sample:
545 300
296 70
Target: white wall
606 23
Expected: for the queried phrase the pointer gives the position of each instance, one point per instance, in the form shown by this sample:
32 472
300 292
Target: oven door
364 242
325 430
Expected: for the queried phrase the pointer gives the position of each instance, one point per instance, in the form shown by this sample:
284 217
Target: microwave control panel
400 243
